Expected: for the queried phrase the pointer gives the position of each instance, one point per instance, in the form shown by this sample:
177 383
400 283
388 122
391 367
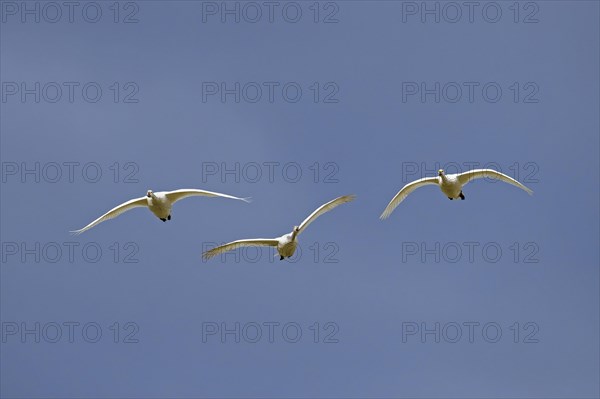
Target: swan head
441 172
149 194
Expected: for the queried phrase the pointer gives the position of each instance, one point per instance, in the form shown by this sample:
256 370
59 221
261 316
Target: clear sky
359 97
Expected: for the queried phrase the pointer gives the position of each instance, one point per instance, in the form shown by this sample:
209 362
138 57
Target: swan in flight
286 244
160 203
451 185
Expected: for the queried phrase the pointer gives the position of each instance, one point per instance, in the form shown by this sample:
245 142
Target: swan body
159 203
451 185
286 244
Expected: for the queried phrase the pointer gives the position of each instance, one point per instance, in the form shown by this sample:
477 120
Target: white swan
286 244
451 185
159 203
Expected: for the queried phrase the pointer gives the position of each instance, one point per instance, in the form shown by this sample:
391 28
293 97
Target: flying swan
286 244
451 186
160 203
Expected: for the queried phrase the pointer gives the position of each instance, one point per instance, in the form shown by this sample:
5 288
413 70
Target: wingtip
384 215
247 200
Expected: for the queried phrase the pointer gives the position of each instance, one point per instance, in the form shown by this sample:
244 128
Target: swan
160 203
286 244
451 185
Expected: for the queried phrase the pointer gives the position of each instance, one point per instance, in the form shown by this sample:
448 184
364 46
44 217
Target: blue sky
154 124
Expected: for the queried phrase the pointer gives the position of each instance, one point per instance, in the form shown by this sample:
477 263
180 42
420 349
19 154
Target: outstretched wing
174 196
260 242
324 208
466 177
113 213
404 192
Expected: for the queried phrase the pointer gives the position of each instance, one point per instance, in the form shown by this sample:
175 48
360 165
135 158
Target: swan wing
466 177
174 196
113 213
323 209
253 242
404 192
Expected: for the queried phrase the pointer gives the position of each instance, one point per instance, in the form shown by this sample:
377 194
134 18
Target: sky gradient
355 97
